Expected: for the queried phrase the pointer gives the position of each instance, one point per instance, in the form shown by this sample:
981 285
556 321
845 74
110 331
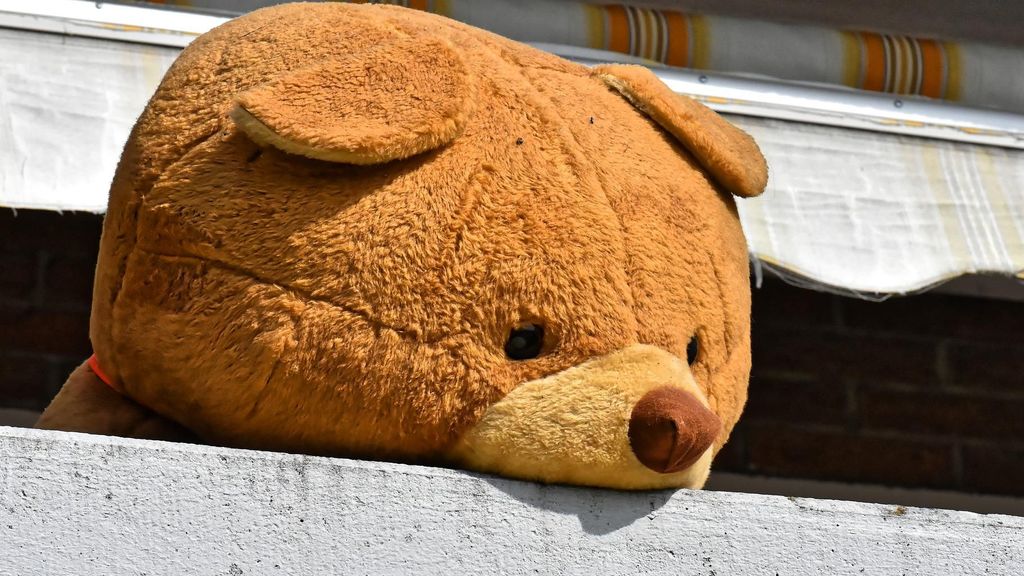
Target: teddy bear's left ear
728 153
393 101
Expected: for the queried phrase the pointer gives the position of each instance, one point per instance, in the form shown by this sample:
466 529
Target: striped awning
849 210
971 73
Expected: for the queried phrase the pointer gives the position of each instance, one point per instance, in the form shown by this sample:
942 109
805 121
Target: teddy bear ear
393 101
725 151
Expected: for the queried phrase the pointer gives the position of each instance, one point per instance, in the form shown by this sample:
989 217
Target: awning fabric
67 105
971 73
849 210
880 213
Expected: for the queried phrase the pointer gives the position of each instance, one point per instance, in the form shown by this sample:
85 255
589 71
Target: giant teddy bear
371 232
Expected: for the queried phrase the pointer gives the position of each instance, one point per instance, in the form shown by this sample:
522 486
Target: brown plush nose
670 429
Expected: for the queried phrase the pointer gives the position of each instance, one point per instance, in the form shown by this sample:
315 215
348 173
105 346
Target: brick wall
47 261
922 391
925 391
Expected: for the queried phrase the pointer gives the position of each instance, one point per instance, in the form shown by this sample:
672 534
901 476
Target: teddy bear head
372 232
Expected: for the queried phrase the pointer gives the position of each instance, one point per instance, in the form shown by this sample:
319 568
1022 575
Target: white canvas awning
865 196
67 104
880 213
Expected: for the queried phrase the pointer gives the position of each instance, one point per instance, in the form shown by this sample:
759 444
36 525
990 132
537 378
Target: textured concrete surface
85 505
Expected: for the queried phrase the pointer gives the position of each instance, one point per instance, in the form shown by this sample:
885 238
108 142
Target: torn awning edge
763 266
876 213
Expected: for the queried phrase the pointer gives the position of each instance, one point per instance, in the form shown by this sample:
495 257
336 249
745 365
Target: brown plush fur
347 304
88 405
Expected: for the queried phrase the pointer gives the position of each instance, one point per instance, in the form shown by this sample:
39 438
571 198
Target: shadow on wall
596 513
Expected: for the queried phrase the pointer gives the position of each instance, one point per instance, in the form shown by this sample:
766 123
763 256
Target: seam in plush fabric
726 327
134 204
631 305
580 157
616 85
139 197
137 203
261 395
366 316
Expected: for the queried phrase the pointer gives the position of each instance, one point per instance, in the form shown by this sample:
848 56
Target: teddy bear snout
669 429
633 419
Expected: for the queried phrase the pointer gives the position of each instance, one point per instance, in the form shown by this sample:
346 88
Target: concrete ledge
79 504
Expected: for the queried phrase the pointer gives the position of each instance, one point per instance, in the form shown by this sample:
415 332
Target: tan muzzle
632 419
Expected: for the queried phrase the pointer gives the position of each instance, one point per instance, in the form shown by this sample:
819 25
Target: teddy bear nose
669 429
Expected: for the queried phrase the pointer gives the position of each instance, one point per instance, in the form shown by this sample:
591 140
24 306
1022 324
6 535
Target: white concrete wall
91 505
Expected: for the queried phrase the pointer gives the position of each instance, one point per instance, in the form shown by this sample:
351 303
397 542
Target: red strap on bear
94 364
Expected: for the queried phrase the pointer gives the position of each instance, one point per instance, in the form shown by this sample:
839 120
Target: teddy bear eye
692 350
525 342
